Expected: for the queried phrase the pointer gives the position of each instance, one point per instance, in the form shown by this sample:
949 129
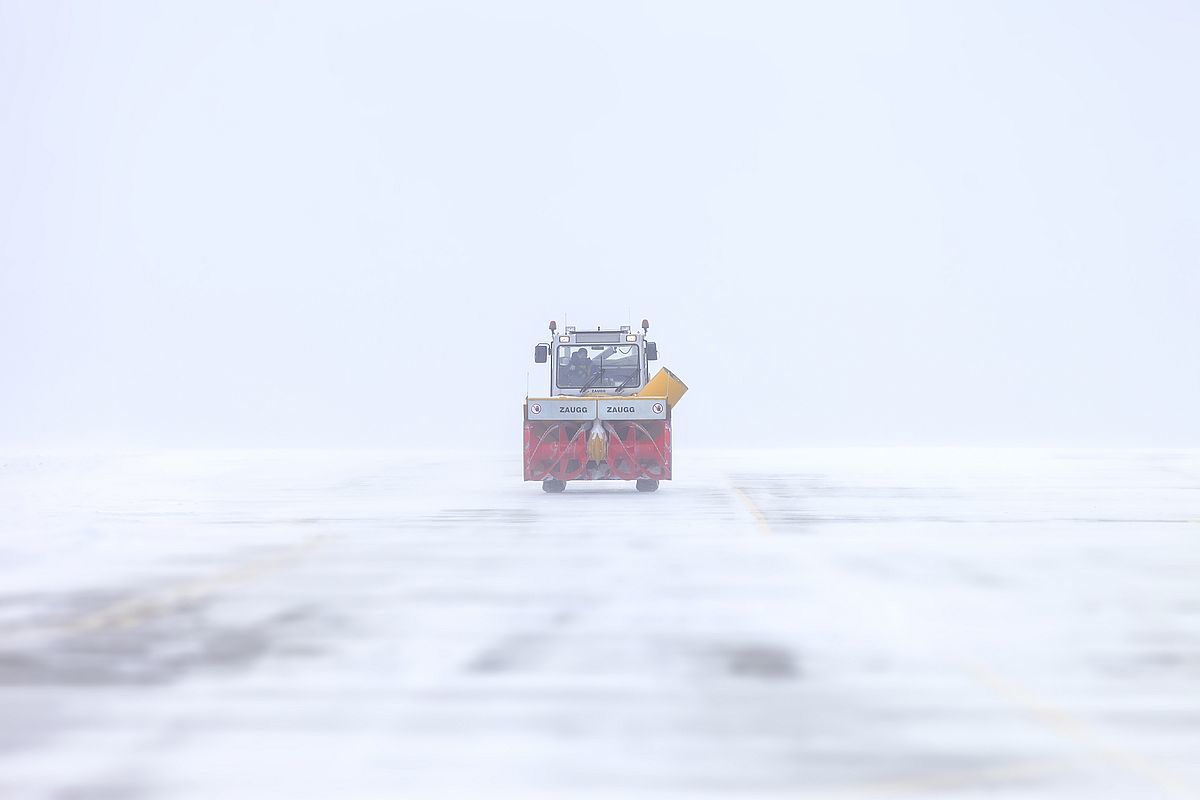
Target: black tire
647 486
553 486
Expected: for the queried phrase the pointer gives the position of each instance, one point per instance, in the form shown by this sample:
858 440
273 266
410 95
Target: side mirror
651 351
541 353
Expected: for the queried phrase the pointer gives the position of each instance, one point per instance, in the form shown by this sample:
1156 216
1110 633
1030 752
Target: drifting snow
858 623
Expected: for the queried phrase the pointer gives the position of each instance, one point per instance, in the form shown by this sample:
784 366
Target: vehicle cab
610 363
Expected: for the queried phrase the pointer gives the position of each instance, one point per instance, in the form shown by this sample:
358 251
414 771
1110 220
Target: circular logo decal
536 408
657 408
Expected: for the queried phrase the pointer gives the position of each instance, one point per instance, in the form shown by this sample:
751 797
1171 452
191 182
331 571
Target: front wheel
553 486
644 485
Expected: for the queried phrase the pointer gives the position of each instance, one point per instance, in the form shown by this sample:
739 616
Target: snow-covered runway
842 623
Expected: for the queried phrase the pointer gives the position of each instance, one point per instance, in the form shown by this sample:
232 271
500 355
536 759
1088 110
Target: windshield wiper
632 376
588 383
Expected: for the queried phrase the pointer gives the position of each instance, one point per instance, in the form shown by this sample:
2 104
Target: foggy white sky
849 223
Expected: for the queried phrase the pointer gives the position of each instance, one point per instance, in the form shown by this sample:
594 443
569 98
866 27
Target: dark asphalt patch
161 649
757 661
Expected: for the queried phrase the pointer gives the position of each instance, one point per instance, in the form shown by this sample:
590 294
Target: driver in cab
581 366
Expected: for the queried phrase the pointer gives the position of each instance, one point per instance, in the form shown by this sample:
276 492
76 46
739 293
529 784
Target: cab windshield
597 366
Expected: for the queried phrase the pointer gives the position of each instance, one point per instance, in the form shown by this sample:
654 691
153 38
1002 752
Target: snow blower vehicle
605 418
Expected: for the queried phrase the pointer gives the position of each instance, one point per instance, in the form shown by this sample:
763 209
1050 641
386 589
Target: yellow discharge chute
664 384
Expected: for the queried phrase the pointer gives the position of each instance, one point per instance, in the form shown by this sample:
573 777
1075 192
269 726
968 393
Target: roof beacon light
553 327
645 325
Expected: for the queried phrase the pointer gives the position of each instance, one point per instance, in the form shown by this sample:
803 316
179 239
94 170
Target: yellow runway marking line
1079 731
759 517
128 613
1059 720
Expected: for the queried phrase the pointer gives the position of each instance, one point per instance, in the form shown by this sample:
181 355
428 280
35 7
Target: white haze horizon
863 224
